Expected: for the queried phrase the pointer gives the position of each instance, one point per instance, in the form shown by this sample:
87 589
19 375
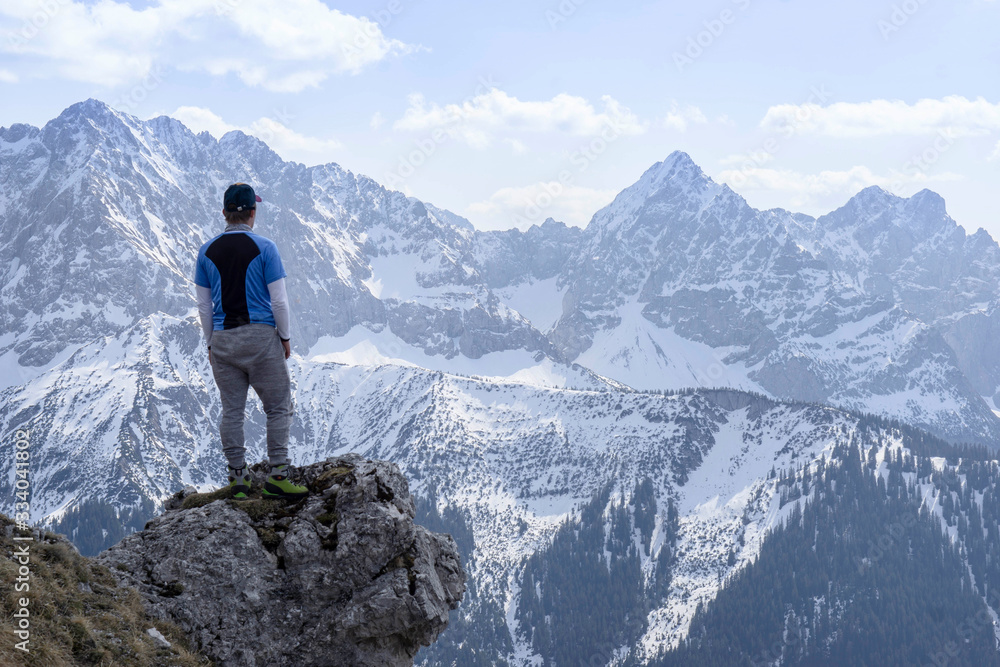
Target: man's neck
239 227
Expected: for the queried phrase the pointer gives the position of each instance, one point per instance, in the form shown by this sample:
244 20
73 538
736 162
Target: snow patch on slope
642 355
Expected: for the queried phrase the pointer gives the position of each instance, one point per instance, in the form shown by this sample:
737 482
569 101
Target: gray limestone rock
343 577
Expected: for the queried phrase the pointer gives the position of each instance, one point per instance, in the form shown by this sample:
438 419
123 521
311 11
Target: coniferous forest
861 573
887 555
95 525
585 595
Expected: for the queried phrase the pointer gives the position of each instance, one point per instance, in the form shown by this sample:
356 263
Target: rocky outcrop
343 577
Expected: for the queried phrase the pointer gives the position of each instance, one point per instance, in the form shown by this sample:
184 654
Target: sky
512 112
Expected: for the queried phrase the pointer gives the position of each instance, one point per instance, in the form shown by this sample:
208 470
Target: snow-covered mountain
679 282
879 306
101 213
514 376
507 462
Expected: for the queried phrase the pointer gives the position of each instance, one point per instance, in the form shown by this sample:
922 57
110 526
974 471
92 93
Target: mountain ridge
513 376
652 262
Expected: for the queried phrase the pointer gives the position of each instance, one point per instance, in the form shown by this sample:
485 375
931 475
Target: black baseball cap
240 197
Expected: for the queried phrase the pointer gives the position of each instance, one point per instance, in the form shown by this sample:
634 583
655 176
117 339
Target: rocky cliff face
343 577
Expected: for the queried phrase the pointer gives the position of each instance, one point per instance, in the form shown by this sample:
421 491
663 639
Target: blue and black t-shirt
237 266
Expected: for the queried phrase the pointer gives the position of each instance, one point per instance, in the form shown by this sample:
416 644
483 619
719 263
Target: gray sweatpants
252 356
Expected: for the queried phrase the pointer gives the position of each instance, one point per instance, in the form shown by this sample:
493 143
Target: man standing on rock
240 283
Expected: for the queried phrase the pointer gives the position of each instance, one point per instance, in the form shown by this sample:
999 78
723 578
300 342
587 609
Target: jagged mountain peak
550 224
677 175
672 189
677 171
102 123
927 214
871 203
873 194
257 154
100 116
94 133
17 132
169 125
678 159
239 138
930 199
923 215
89 107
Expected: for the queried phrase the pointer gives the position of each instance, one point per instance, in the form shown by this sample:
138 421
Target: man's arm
279 308
205 311
203 292
274 277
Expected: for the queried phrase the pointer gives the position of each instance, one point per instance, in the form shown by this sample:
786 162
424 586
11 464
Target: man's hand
288 348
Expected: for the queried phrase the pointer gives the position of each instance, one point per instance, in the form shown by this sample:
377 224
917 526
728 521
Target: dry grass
79 615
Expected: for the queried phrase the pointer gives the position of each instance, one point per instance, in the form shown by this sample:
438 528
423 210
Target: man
240 283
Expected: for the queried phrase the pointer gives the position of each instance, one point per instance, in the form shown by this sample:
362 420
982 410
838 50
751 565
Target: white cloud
802 190
377 121
200 119
286 142
956 115
281 45
799 184
532 204
6 76
517 147
678 117
478 120
750 159
996 153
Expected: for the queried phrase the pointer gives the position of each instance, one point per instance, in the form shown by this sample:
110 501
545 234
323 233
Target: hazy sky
487 108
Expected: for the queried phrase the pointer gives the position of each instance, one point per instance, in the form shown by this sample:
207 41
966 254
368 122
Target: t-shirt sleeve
273 268
200 274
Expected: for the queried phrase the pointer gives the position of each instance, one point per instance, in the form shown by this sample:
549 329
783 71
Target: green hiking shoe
279 486
239 481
